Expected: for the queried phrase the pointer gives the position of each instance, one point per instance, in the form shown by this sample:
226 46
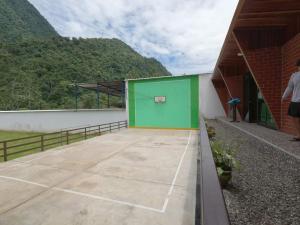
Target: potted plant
224 160
211 131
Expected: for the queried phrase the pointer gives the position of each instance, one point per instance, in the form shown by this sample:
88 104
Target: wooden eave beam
262 22
255 6
270 13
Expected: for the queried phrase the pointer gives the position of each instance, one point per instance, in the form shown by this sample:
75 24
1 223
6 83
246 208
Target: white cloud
185 35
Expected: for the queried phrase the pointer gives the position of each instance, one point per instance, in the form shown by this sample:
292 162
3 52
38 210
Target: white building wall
56 120
210 104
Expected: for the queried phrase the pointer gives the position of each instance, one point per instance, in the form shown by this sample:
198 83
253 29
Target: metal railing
22 146
211 208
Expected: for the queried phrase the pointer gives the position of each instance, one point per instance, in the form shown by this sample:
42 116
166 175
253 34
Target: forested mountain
37 66
20 20
37 73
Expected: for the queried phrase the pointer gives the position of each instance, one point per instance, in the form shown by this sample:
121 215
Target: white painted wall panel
210 104
55 120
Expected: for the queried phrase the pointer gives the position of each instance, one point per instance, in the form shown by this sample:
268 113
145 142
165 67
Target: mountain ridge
37 65
21 20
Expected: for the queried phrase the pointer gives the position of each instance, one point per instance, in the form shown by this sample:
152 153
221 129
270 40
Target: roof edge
231 27
152 78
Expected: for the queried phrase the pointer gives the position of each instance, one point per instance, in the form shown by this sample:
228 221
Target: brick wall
265 64
235 86
271 67
290 55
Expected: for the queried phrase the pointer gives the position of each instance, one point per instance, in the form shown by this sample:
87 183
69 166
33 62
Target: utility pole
98 96
108 100
76 96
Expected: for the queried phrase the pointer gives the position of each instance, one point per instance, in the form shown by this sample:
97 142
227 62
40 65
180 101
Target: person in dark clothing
294 108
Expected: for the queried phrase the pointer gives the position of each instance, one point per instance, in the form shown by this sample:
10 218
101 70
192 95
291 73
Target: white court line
163 210
261 139
107 199
176 174
24 181
82 194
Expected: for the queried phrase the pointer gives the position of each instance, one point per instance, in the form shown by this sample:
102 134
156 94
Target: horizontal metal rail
44 141
211 208
23 144
76 138
22 151
54 143
20 139
50 139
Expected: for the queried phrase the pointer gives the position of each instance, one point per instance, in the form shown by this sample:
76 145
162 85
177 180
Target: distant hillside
37 66
37 73
20 20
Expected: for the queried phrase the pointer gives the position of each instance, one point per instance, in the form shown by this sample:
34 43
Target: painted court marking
176 174
69 191
261 139
24 181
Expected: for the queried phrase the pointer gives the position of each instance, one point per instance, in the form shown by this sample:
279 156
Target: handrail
211 208
14 146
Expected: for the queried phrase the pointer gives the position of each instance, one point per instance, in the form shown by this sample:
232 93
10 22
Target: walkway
276 139
131 177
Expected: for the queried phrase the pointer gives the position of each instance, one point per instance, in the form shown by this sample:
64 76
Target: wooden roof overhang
276 15
114 88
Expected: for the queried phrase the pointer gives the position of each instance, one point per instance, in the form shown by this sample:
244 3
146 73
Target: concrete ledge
211 208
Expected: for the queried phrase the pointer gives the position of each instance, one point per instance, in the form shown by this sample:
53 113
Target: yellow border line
162 128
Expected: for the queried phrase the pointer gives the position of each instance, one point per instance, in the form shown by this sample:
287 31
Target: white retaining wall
210 104
56 120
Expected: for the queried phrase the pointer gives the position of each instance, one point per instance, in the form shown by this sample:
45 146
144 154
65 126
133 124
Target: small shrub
211 131
224 155
224 159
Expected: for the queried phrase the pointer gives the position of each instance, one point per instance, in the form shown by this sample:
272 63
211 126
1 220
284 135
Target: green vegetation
223 156
224 159
211 132
37 66
7 135
31 142
20 20
37 74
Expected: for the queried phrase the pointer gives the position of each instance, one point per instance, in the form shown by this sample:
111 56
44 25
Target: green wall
181 109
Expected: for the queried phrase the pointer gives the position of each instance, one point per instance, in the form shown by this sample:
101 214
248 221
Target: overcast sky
184 35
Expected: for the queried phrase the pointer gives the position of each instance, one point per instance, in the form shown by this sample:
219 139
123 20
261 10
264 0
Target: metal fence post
42 142
67 137
5 151
61 138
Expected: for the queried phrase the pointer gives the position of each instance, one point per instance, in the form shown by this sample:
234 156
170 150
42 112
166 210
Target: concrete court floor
134 177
